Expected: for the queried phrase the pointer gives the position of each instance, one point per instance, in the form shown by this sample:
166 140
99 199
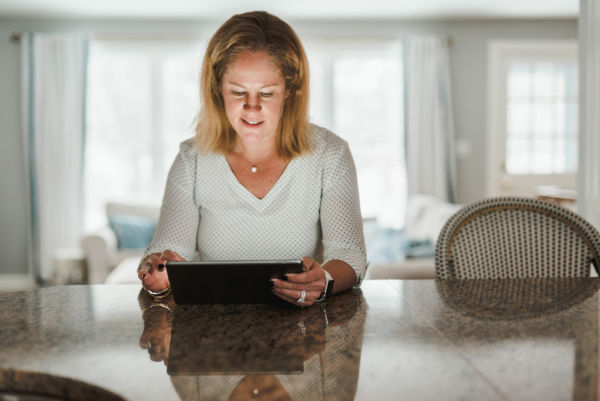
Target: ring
158 295
302 296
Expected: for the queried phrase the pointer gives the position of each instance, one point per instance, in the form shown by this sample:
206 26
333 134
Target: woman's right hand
152 270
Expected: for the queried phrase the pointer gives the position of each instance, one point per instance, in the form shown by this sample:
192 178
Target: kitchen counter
393 339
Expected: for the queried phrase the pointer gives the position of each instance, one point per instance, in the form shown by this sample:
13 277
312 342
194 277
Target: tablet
227 282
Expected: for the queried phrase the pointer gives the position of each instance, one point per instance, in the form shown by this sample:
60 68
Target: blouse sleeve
341 221
177 226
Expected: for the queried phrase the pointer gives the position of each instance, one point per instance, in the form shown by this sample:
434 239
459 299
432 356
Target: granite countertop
419 339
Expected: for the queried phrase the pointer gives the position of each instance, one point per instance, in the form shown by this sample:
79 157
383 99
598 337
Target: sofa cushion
391 245
132 232
425 217
125 272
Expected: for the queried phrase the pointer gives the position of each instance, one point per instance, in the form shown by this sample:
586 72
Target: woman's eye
238 93
266 94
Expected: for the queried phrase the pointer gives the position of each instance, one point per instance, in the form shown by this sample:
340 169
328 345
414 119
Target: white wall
469 68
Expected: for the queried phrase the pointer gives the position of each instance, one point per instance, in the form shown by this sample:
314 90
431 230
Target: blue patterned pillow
132 231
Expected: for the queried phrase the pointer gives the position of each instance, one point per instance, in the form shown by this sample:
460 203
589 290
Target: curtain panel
53 119
429 129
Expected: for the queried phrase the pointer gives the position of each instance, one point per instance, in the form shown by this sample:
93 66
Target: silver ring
302 296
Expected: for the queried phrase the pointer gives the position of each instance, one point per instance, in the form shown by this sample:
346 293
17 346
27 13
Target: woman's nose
252 103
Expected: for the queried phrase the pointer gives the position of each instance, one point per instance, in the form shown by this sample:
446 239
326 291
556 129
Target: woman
259 181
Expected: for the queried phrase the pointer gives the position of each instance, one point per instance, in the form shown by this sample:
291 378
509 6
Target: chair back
515 237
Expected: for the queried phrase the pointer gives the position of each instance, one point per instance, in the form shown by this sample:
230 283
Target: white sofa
425 218
102 253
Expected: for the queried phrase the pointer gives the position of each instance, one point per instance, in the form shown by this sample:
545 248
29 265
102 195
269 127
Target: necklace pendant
253 169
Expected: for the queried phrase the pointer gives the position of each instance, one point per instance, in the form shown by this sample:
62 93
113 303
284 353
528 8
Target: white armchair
101 246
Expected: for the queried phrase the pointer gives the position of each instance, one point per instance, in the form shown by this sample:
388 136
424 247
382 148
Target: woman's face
254 92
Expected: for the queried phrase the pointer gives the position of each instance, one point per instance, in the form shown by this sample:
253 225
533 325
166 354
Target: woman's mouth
251 123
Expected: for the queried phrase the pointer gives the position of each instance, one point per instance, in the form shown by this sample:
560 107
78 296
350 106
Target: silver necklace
254 166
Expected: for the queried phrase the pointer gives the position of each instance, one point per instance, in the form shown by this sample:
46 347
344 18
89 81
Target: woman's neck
255 152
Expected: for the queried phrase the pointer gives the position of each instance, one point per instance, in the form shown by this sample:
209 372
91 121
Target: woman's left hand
311 281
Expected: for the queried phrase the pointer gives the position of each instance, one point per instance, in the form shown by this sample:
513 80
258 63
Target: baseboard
16 282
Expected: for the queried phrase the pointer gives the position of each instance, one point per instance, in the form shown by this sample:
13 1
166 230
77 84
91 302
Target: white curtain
53 110
429 132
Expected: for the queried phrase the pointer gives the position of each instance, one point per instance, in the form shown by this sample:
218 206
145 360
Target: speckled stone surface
418 340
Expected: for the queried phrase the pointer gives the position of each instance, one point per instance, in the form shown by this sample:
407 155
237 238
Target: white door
532 117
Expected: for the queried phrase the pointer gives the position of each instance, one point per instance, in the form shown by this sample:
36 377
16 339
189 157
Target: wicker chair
512 237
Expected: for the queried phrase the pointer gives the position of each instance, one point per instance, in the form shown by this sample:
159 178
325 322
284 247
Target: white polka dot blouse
312 210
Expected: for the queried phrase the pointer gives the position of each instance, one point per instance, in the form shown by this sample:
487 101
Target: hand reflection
158 321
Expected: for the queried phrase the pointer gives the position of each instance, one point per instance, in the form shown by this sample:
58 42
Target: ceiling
300 9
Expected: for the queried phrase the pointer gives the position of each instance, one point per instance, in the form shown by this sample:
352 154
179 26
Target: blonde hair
254 31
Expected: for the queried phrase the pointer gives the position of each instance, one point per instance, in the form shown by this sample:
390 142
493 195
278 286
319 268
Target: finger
294 301
146 263
306 277
309 298
296 294
166 256
298 286
171 255
145 275
308 263
286 298
153 261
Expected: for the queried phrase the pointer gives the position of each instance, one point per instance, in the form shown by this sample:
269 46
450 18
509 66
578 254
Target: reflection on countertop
273 352
511 299
393 339
78 336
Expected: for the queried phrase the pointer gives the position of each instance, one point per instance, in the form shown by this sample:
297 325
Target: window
534 113
357 92
143 97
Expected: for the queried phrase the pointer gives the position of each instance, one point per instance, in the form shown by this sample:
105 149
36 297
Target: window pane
368 114
519 117
568 80
542 124
543 80
517 161
519 80
571 118
543 119
571 155
320 91
181 104
118 154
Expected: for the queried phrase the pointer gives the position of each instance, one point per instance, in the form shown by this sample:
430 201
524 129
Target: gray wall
469 71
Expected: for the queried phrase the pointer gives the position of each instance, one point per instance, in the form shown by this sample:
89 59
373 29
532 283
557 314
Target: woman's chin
253 135
251 138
